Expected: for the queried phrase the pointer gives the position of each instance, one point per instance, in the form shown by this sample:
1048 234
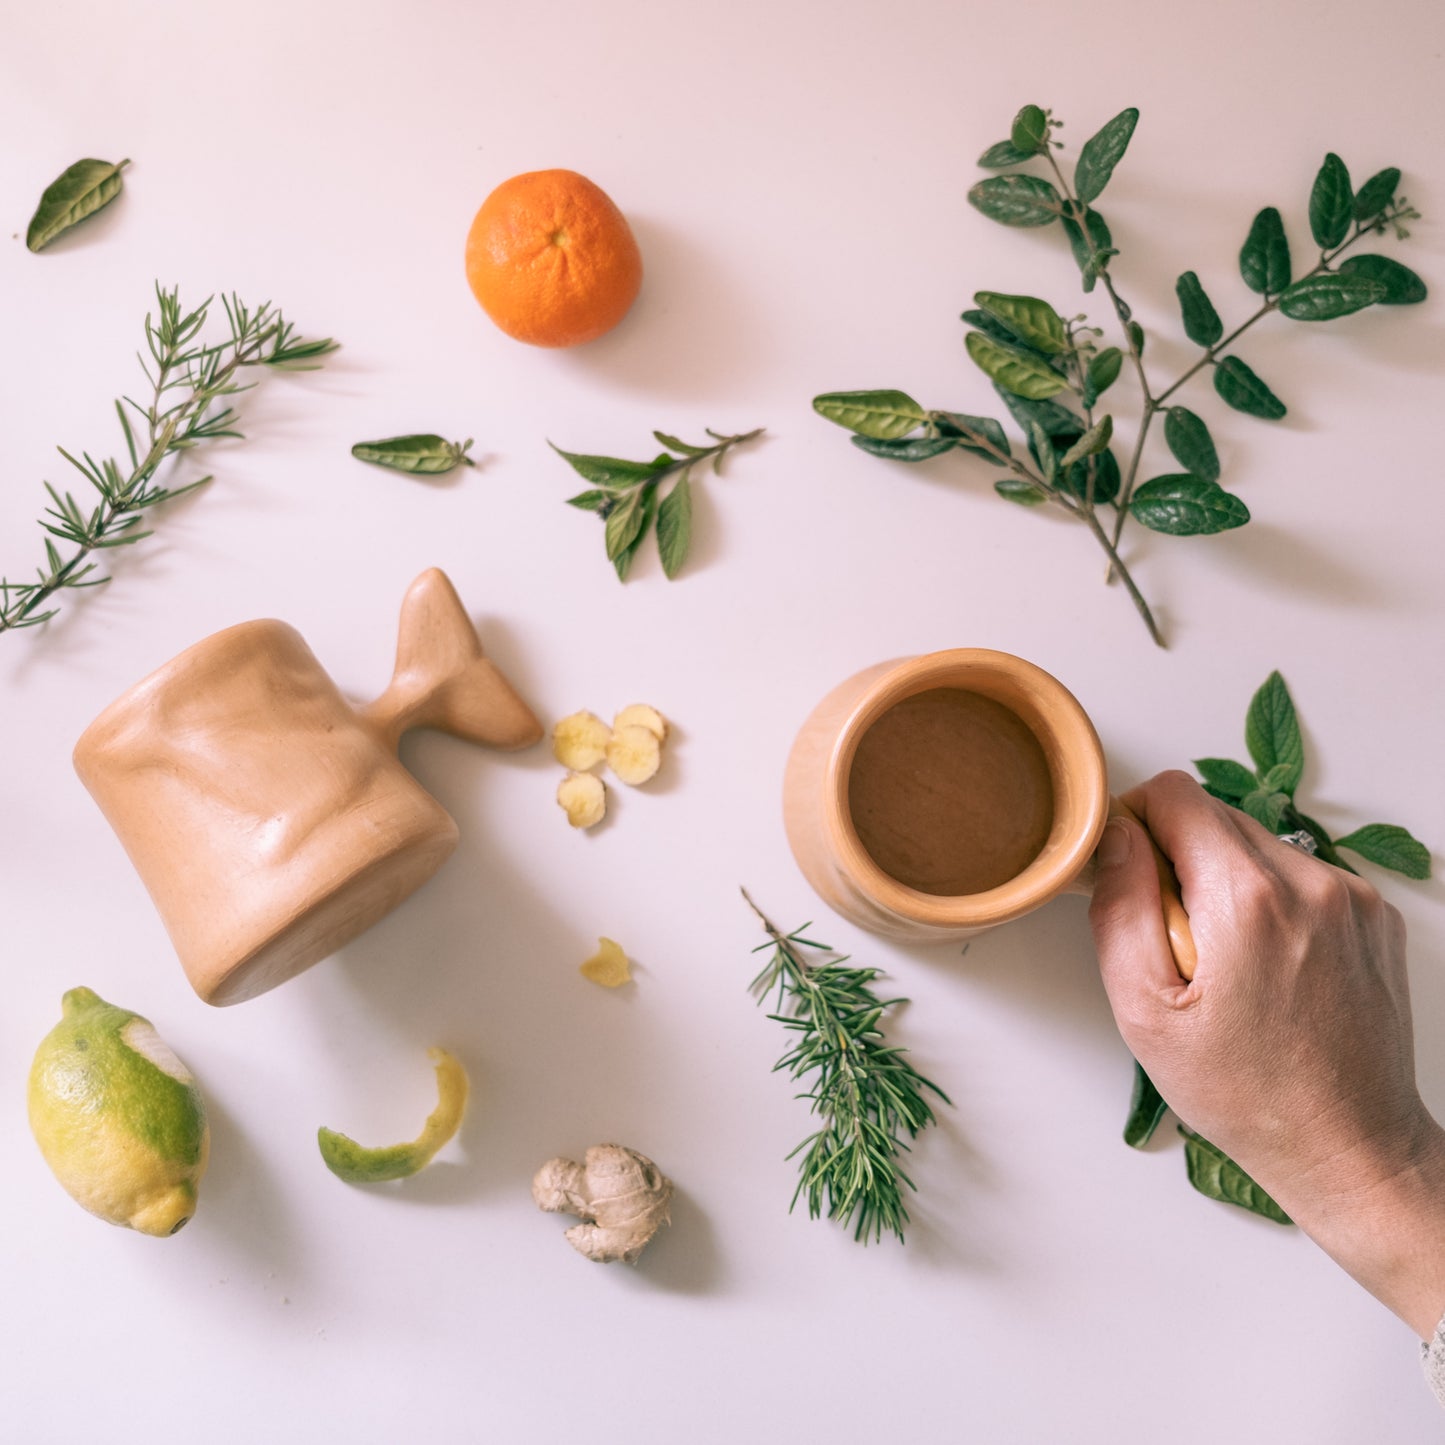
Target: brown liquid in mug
950 793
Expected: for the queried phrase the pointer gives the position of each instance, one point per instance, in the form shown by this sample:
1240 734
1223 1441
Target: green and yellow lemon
118 1116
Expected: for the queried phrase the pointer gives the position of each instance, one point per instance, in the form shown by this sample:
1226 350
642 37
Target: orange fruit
552 260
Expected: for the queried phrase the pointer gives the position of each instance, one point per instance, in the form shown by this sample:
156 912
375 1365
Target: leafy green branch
866 1095
628 497
1050 371
1275 743
188 378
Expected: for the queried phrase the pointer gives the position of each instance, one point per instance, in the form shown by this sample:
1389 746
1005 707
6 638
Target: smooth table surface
796 175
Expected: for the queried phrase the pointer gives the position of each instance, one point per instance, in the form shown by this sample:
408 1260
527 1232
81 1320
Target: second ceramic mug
826 842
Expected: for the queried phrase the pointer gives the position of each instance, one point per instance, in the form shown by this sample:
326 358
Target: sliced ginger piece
580 742
608 966
640 714
634 754
584 797
357 1164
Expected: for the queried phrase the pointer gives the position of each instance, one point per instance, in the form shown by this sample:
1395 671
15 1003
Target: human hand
1291 1049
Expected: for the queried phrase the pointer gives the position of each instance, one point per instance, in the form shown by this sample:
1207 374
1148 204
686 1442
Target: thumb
1127 917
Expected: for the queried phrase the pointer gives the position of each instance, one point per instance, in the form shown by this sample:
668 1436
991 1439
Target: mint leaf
1214 1174
1391 847
1232 780
1272 732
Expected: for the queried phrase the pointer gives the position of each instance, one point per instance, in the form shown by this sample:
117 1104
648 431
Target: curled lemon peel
356 1164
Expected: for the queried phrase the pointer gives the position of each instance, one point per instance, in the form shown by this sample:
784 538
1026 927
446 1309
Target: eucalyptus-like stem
202 375
865 1094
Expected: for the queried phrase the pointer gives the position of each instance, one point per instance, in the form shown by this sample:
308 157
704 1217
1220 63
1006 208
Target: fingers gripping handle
1176 920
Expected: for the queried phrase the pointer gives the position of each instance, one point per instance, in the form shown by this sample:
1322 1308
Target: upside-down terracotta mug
930 798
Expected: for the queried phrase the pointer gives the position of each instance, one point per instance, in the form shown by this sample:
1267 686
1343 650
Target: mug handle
1176 920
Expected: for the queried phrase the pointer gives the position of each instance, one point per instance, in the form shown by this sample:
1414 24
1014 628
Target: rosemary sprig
187 377
866 1094
627 496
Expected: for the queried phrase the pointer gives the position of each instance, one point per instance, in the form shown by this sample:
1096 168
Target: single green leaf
1201 321
1093 441
1013 368
1402 286
1332 203
1103 370
1187 506
1044 453
1328 294
1146 1109
974 316
881 414
1281 778
1272 731
77 193
622 562
1101 153
1188 438
608 471
591 501
674 527
1032 321
1105 469
1016 200
1264 260
1213 1173
1030 130
960 426
1003 155
1015 489
1228 779
1238 385
624 524
683 449
1091 244
1376 194
1136 335
1056 420
424 454
1391 847
904 449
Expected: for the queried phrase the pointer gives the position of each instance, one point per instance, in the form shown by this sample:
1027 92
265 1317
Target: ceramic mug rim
1081 793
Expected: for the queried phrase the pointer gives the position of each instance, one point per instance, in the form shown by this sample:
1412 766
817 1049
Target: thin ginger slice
357 1164
583 796
640 714
634 754
580 741
608 966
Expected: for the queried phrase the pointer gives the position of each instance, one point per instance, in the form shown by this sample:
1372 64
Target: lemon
118 1116
358 1164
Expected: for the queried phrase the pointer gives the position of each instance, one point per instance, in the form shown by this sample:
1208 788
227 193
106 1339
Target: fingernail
1114 846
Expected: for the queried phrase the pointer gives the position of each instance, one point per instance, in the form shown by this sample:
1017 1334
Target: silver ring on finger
1302 839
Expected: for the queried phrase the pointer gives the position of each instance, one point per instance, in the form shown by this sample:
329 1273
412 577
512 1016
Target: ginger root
583 796
640 714
580 741
634 754
621 1196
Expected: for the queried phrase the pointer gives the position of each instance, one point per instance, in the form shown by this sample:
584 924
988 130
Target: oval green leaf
1032 321
1104 468
974 316
1016 200
609 471
1043 451
1214 1174
1182 505
1030 130
1093 441
77 193
1272 732
1003 155
1104 369
1056 420
1264 259
1013 368
1391 847
1238 385
1329 294
1026 494
974 434
1146 1109
881 414
1091 244
674 527
1227 778
1201 321
1101 153
423 454
626 523
1136 335
1188 438
1402 286
1332 203
905 449
1376 194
